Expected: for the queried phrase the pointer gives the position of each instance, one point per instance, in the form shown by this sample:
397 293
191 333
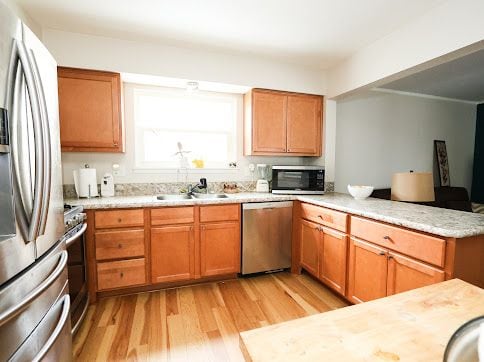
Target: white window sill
190 171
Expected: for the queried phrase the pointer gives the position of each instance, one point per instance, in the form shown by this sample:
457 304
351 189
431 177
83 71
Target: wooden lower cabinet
121 273
376 272
172 253
406 274
367 272
323 254
310 238
333 259
219 248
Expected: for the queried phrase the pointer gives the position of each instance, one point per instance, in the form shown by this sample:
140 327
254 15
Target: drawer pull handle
119 220
120 246
121 274
386 237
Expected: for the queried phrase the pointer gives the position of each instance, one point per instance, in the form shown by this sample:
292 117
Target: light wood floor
197 323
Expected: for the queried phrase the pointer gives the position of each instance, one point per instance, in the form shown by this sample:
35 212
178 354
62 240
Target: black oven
76 226
298 180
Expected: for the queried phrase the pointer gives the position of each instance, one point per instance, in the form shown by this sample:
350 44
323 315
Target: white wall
33 25
103 161
452 29
379 134
95 52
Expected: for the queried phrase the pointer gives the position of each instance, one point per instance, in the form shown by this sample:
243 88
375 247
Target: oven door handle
81 231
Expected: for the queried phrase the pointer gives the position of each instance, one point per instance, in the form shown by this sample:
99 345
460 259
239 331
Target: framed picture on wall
442 162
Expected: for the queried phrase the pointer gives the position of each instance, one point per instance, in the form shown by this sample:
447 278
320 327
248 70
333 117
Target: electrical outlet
251 167
118 170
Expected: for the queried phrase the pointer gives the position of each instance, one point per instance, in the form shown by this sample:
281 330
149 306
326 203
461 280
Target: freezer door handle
29 298
57 330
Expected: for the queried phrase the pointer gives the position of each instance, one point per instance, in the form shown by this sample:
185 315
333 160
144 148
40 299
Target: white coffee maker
262 184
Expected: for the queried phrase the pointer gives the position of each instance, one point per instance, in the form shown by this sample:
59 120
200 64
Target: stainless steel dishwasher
266 236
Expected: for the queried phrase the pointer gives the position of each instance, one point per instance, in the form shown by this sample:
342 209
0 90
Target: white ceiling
462 79
316 33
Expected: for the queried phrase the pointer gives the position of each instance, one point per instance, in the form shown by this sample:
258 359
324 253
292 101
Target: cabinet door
406 274
219 248
89 110
304 121
367 272
333 259
310 239
269 122
172 253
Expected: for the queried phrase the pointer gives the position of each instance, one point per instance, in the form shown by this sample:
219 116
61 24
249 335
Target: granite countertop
411 326
438 221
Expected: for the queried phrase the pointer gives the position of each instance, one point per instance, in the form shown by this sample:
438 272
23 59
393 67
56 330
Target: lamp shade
413 186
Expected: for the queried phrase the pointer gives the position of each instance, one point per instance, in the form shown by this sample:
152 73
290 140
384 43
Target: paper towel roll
85 182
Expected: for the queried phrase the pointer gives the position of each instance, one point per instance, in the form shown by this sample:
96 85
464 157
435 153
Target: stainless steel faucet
201 185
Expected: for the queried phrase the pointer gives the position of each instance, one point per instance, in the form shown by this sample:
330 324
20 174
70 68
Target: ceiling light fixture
192 86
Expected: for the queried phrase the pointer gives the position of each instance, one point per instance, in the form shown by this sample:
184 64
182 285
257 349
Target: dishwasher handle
267 205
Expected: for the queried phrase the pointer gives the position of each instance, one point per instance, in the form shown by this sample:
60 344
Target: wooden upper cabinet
282 123
304 124
90 111
269 122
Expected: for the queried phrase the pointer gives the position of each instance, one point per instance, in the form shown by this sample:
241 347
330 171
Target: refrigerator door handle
20 56
22 305
57 330
24 197
44 118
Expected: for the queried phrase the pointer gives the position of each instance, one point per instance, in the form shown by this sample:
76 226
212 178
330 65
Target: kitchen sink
210 196
174 197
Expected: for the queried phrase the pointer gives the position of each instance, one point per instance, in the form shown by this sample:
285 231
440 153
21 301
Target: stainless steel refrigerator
34 303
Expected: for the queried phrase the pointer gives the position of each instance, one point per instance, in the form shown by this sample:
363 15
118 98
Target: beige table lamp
413 186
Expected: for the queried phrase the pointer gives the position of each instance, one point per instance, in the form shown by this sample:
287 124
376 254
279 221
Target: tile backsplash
143 189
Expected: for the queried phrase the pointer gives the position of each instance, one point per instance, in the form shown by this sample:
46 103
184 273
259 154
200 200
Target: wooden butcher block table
411 326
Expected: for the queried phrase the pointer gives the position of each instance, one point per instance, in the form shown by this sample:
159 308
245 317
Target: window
203 122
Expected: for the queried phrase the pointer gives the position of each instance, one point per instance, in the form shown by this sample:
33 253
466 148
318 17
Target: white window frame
139 163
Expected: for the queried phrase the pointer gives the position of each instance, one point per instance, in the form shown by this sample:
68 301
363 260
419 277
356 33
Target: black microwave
298 180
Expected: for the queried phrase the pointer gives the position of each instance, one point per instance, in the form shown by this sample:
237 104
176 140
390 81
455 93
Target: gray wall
378 134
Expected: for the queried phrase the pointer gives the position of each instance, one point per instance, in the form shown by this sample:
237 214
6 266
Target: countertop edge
125 202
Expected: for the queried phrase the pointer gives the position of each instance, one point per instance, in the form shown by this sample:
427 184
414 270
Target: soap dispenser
107 185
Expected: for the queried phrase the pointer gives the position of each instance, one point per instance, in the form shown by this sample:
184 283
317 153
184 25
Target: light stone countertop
438 221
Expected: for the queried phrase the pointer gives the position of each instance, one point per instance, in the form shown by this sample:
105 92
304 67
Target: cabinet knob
382 253
390 257
119 220
120 246
121 274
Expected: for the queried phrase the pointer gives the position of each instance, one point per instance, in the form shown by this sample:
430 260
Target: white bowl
360 192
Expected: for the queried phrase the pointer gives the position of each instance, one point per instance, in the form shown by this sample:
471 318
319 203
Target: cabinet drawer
424 247
172 215
120 244
124 273
219 213
118 218
331 218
